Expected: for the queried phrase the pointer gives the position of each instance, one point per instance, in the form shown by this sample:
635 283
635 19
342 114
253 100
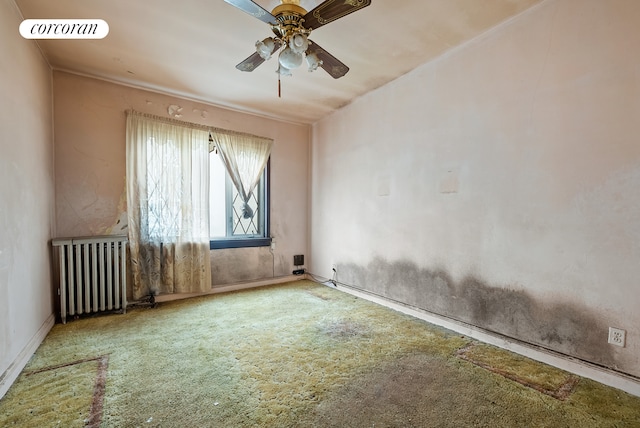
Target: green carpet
294 355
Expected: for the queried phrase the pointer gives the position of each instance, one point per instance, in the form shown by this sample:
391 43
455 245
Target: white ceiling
190 48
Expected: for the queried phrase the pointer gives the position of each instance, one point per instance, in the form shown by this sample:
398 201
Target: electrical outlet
617 336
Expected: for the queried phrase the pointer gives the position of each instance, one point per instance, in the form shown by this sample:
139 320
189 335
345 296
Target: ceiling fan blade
330 10
254 60
254 10
250 63
330 64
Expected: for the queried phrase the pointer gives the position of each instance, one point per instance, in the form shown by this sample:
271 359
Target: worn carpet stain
415 390
320 294
67 394
546 379
344 328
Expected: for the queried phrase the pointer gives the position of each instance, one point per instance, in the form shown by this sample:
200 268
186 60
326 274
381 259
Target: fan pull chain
279 87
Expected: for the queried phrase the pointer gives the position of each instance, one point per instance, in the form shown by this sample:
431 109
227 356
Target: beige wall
26 196
498 185
90 169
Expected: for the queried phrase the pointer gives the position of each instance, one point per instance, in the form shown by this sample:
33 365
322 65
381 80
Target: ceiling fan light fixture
265 47
313 62
292 25
290 59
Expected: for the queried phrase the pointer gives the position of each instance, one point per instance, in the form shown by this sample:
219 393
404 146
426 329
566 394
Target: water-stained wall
498 185
26 196
90 169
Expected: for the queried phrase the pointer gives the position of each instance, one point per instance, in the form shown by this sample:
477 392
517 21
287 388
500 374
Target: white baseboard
232 287
611 378
13 371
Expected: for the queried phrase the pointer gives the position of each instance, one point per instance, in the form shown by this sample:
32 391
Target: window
230 225
164 217
167 204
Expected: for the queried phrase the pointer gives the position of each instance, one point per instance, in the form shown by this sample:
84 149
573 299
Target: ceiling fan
292 25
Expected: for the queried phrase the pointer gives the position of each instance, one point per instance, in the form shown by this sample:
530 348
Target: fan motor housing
289 17
292 9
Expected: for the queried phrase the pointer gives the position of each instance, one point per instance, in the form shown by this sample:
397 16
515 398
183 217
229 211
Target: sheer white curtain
168 205
244 157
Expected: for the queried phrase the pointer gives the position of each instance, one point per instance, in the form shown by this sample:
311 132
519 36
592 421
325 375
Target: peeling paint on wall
203 113
121 225
558 325
174 111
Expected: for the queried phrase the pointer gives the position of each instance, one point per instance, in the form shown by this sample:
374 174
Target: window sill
220 244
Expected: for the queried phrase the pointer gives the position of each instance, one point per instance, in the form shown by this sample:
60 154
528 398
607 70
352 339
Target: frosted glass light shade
265 47
289 59
313 62
299 43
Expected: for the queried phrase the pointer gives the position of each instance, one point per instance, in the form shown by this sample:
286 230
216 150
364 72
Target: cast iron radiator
93 274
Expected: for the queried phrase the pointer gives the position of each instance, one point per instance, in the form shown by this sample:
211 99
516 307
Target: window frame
224 243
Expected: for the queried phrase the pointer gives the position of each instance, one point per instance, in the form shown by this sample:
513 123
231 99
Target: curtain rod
192 125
